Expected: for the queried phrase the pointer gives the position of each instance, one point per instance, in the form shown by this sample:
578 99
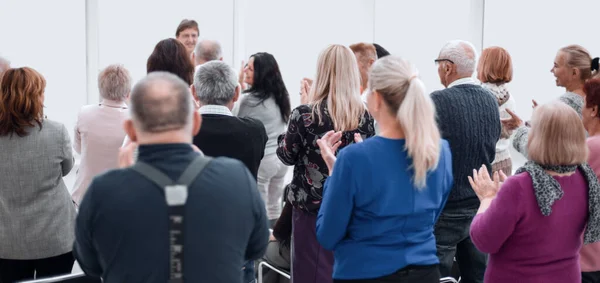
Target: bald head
463 54
161 102
207 50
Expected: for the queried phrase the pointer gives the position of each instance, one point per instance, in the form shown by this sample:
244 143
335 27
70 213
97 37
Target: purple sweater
524 245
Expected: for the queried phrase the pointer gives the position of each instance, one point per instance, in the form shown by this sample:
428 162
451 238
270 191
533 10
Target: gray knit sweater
522 133
469 120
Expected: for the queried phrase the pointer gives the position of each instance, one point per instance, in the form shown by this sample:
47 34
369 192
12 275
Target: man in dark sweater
469 120
124 227
216 90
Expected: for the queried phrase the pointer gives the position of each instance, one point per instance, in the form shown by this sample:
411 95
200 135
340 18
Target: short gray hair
463 54
208 50
114 83
161 102
215 83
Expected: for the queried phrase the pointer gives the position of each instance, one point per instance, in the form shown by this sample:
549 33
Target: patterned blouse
298 147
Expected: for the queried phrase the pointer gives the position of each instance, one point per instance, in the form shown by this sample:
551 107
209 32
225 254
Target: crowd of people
182 174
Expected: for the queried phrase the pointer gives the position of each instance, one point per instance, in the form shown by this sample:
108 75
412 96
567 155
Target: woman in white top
99 129
267 100
495 71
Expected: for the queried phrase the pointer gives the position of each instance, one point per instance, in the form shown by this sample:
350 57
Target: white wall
295 32
417 30
129 30
51 43
532 34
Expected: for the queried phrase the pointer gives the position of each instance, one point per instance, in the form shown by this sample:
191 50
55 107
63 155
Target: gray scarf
548 190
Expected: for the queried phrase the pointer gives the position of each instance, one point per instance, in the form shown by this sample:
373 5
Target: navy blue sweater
122 227
469 120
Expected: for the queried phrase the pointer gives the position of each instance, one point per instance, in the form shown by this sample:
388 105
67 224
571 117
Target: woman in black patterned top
334 103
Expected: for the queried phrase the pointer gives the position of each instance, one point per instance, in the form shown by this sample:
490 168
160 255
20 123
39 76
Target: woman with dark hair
267 100
170 55
37 216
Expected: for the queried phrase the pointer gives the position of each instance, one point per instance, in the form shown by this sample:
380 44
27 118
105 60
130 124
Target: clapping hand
484 186
305 85
328 145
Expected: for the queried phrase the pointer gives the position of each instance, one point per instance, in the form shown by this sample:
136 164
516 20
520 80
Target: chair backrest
448 280
69 278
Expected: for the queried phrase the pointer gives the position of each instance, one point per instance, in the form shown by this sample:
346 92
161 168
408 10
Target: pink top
98 136
590 254
523 244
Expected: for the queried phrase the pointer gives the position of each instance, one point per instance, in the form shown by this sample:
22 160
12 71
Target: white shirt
463 81
215 109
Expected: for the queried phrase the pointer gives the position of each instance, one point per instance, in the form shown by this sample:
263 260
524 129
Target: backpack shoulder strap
152 174
193 170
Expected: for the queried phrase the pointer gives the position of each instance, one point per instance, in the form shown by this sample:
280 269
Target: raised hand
483 185
513 122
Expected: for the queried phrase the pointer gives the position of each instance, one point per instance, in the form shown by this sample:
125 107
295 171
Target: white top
98 135
500 91
463 81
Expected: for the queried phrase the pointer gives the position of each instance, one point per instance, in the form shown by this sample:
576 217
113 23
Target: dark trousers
453 240
18 270
311 263
410 274
590 277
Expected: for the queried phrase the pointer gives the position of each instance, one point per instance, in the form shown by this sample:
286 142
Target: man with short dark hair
188 33
139 225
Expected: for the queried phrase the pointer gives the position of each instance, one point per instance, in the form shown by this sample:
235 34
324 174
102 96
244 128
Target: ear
576 73
221 59
197 123
448 68
371 61
194 95
238 89
130 130
595 111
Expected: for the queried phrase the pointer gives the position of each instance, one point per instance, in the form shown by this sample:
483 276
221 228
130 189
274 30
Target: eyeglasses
442 60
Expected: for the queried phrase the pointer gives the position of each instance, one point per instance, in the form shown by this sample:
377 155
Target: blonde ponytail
397 82
417 118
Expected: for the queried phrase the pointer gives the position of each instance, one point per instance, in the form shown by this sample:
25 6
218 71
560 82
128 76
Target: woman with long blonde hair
384 195
334 104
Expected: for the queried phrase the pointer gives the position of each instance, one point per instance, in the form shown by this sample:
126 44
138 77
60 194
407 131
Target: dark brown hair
170 55
592 93
187 24
21 106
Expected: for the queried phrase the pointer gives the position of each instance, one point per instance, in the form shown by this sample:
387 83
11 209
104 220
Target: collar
215 109
113 103
463 81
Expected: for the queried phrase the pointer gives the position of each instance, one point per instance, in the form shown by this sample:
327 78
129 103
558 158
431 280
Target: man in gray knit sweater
469 120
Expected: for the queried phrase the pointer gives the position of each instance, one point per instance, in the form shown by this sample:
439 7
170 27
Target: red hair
592 93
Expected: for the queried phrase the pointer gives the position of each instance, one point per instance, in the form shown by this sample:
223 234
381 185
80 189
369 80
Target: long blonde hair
337 83
396 80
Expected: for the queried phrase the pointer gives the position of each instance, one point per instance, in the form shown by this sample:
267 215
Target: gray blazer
37 216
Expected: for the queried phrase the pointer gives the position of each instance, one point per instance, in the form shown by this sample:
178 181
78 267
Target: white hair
463 54
114 83
208 50
215 83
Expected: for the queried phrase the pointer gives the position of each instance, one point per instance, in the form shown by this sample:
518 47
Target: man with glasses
469 120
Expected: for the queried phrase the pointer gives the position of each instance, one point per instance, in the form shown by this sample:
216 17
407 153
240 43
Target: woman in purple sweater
531 223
